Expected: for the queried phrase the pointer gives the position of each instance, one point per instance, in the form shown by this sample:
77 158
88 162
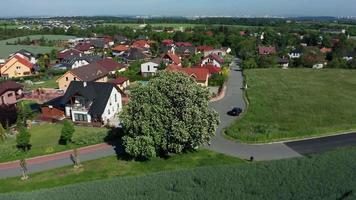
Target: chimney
84 84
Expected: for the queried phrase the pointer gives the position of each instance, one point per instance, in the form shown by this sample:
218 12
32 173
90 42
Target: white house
92 102
150 68
295 54
213 59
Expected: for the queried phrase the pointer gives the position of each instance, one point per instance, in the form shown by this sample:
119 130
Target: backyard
44 140
296 103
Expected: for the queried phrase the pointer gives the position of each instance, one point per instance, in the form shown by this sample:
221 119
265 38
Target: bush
23 139
217 80
67 132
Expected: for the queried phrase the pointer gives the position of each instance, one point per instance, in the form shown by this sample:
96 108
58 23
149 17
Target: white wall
149 67
114 106
214 62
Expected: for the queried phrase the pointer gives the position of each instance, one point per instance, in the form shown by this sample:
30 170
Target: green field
296 103
44 140
50 83
112 167
6 50
329 176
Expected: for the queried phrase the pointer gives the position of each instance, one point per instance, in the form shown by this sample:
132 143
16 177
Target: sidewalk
55 156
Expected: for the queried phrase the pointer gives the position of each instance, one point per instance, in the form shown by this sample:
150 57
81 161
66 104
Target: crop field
296 103
6 50
329 176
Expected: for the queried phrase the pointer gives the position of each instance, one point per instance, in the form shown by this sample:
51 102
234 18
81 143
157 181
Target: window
80 117
109 112
10 94
18 67
75 78
148 67
115 98
67 79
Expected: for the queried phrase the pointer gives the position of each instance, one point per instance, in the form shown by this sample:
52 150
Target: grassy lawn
50 83
44 140
323 177
111 167
296 103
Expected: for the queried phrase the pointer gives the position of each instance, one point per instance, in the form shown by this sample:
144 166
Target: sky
178 7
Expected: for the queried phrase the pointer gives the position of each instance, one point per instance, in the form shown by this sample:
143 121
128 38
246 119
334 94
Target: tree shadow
114 138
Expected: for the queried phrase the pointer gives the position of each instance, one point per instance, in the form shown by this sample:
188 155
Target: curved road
233 98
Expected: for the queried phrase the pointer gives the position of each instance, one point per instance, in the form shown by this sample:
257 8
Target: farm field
328 176
44 140
5 50
109 167
296 103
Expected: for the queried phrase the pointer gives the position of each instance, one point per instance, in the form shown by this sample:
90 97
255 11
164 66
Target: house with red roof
121 82
141 44
67 53
264 50
203 49
16 66
10 92
326 50
213 59
111 65
120 49
85 47
201 75
211 68
172 58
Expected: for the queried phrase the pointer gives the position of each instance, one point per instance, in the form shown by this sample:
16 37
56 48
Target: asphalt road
315 146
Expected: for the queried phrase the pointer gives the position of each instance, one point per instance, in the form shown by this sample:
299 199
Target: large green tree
169 115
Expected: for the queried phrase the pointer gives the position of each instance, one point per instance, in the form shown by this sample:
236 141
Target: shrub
67 132
23 139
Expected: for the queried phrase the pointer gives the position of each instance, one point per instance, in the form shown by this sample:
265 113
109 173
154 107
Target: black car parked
235 111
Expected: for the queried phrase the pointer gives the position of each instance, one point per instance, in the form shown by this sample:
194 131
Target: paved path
233 98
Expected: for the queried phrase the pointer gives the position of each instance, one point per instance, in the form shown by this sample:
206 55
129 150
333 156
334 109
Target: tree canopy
169 115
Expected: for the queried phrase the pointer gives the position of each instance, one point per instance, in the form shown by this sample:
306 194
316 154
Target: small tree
23 139
2 133
75 157
23 165
67 132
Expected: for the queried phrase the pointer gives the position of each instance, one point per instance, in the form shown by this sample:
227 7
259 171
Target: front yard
296 103
44 140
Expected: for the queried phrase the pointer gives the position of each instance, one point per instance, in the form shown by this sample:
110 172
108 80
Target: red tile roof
184 44
84 46
121 48
68 52
110 65
119 80
266 50
167 42
140 43
175 59
326 50
212 69
205 48
200 74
